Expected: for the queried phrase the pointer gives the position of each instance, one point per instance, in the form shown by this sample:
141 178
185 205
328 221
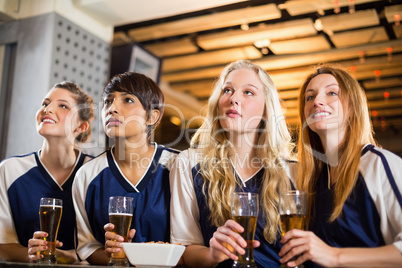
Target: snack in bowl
153 254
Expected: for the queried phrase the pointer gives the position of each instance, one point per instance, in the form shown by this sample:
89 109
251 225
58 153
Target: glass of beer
245 212
50 212
120 215
292 211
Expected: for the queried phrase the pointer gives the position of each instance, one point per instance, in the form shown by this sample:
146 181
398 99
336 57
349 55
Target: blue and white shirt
372 214
102 178
190 223
24 180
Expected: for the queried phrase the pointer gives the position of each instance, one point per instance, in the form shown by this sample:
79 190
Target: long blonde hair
272 146
358 132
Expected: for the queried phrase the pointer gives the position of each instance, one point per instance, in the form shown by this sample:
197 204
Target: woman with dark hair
133 105
62 120
354 187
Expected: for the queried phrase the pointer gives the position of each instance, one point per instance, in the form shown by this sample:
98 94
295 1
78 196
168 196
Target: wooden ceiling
286 38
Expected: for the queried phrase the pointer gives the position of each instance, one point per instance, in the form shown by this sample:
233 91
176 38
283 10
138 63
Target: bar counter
38 265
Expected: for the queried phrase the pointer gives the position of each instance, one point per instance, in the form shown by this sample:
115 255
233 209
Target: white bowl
153 254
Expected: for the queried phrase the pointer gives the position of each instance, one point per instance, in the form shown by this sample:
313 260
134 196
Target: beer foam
120 214
51 206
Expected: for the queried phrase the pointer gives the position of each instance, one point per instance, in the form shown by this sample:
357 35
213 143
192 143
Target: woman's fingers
113 241
114 237
39 234
219 248
108 227
230 238
59 244
305 245
35 257
294 248
228 241
256 244
233 229
131 234
295 233
35 246
112 246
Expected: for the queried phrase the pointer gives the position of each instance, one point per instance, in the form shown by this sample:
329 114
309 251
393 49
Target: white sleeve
184 213
394 201
384 182
87 244
8 233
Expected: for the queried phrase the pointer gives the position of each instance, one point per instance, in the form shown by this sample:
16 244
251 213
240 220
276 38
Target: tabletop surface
38 265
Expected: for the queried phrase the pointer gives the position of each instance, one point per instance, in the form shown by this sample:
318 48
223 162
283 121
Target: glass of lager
120 215
245 212
292 211
50 211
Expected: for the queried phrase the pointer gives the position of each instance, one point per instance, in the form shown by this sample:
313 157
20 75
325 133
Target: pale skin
131 140
59 157
296 242
241 107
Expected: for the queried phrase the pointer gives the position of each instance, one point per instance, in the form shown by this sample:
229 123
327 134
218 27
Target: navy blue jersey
102 178
190 211
24 180
372 214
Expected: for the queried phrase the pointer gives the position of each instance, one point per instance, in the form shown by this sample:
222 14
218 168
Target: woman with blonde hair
354 187
243 146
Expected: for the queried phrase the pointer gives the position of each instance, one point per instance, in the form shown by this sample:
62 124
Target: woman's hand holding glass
307 246
227 241
113 241
37 244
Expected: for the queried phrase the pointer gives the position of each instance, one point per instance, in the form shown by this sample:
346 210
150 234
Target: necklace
329 177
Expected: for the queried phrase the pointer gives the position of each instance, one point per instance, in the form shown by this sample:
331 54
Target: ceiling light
337 7
321 12
175 120
244 27
397 19
352 6
262 43
318 25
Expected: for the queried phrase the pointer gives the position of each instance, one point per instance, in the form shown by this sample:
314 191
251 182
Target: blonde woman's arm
14 252
184 212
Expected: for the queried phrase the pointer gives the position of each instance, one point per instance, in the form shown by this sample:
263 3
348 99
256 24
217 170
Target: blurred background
184 45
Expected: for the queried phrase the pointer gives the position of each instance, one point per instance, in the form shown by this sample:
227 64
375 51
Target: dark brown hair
144 88
85 106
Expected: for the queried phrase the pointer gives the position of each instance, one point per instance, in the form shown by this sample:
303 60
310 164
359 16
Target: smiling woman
323 106
354 187
63 119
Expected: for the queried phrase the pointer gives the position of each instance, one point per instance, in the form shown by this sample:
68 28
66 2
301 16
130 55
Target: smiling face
241 104
323 107
58 116
123 116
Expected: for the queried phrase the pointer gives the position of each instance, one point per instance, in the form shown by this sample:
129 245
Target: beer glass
292 211
120 215
245 212
50 212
